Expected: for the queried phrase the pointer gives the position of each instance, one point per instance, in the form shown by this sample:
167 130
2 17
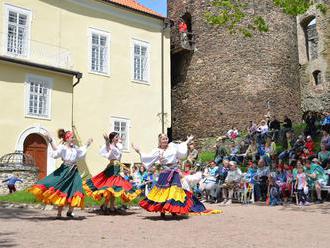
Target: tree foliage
236 15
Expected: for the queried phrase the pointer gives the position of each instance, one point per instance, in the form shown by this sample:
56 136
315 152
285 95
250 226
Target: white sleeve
120 146
181 149
81 152
150 158
58 152
105 152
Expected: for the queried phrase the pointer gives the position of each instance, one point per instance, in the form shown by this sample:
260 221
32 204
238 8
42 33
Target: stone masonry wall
315 98
228 80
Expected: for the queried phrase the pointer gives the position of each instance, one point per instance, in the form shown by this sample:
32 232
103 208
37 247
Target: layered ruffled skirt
169 196
62 187
110 183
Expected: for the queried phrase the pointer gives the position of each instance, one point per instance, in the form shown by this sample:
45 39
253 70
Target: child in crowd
301 186
11 181
274 190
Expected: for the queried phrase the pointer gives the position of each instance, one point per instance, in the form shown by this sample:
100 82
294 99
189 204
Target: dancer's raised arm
148 159
182 148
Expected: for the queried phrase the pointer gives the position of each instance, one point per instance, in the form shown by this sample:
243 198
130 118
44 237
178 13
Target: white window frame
49 82
28 13
92 31
147 45
128 126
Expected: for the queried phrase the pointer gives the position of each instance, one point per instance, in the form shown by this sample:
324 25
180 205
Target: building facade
91 66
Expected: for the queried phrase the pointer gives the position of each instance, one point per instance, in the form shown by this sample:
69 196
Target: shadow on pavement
6 240
167 218
314 208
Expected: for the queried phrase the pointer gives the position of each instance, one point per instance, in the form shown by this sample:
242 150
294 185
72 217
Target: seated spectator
232 133
325 123
323 156
287 127
310 120
301 186
325 140
187 169
221 150
262 131
250 173
316 177
252 151
283 181
260 187
192 153
295 148
252 129
305 154
275 127
235 153
151 179
270 147
274 191
287 123
222 174
209 184
232 182
142 176
309 144
223 171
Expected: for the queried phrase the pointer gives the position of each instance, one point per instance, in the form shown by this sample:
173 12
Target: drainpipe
78 76
165 26
162 80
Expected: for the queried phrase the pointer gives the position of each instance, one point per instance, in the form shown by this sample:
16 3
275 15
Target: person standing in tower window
183 28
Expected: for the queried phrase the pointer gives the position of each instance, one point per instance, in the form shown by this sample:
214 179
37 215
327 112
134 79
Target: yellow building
87 65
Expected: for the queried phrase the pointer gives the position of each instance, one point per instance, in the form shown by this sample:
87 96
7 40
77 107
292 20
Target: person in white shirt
64 186
110 183
168 195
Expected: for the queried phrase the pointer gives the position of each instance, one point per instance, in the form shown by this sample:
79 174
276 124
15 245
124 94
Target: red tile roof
133 4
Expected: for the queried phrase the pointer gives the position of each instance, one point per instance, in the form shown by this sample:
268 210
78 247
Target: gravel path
238 226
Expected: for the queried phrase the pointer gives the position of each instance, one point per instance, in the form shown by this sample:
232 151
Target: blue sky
157 5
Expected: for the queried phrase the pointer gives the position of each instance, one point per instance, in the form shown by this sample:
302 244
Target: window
317 75
140 61
17 30
38 96
311 37
99 51
121 126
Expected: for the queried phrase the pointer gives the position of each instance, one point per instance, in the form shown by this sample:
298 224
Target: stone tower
221 80
314 58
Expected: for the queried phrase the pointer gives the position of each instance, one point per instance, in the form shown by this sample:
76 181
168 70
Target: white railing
35 51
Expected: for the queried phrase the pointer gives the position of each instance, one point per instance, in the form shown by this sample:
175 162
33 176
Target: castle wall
315 97
228 79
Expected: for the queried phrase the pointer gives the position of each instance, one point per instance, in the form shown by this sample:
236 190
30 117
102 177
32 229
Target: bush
206 156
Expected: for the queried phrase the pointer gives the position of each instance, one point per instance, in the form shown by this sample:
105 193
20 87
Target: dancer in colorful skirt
109 183
168 195
64 186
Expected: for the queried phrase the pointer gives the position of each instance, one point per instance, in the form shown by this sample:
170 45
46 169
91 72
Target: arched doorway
36 146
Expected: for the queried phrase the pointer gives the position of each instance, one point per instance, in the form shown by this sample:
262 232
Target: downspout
78 76
162 79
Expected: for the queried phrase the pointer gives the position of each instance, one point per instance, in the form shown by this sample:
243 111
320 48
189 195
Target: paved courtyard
238 226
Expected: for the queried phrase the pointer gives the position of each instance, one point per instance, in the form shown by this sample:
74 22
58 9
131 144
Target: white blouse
70 155
114 153
170 156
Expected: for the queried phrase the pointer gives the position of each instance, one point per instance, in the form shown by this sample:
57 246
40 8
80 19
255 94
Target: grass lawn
28 198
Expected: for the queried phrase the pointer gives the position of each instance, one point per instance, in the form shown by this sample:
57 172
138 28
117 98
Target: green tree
235 15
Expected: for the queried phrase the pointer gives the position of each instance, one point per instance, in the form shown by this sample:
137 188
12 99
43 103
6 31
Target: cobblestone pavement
238 226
